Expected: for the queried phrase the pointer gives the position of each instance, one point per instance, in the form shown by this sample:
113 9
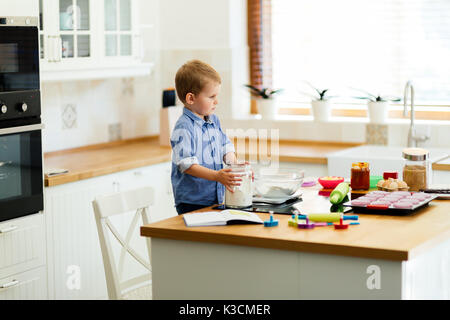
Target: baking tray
391 210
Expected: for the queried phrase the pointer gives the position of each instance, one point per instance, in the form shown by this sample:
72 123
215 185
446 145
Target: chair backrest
112 205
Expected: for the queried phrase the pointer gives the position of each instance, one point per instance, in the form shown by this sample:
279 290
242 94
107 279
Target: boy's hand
228 179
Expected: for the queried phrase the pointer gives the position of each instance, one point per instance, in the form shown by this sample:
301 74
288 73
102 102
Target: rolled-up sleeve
183 153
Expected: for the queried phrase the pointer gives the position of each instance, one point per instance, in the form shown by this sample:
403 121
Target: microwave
21 174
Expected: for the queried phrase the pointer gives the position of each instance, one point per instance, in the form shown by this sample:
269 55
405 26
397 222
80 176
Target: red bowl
330 182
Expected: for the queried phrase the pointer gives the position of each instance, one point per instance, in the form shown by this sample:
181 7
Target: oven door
21 178
19 59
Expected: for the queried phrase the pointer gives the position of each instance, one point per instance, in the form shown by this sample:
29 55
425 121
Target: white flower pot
378 111
321 110
267 108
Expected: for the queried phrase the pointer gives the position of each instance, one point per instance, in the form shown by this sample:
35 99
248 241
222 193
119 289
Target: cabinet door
441 178
120 41
158 177
73 246
22 244
67 33
47 33
30 285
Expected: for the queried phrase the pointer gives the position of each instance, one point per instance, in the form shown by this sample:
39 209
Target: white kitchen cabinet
72 240
90 39
22 244
23 258
441 177
29 285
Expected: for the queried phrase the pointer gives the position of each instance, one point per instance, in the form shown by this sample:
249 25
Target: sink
380 159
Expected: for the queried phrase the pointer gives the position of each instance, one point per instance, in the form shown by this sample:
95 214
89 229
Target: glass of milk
242 196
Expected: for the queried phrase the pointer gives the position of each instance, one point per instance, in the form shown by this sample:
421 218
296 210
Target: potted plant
266 102
320 103
378 106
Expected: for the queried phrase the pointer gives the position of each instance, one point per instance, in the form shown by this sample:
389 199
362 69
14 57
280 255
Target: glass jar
360 176
416 169
242 197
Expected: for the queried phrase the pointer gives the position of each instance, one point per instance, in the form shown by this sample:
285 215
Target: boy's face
204 103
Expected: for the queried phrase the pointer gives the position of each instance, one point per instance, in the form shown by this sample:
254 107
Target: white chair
105 207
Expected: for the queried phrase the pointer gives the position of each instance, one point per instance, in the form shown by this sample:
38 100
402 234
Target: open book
220 218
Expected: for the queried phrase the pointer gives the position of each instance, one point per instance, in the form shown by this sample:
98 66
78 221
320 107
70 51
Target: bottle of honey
360 176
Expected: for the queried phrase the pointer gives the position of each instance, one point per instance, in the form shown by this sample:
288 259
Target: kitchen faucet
412 137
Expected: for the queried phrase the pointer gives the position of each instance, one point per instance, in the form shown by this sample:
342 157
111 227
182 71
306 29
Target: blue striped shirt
202 142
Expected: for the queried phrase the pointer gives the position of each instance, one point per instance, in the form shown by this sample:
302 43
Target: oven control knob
4 108
24 107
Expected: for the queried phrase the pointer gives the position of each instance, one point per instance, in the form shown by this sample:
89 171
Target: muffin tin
390 203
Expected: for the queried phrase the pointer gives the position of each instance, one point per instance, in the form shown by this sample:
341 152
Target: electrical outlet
115 131
69 116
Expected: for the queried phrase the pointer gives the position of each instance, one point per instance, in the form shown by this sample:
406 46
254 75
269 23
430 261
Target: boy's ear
190 98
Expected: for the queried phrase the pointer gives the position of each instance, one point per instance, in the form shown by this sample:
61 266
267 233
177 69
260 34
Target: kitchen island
386 257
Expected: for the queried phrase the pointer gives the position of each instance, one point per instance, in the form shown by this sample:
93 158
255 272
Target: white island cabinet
75 265
90 39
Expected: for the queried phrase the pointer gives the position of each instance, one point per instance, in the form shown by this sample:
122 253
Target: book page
231 215
210 218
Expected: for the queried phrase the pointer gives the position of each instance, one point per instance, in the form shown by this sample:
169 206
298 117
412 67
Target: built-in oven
21 178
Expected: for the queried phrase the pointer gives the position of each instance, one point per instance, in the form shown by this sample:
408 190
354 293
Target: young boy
199 146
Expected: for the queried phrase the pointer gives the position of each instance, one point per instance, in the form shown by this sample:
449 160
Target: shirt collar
196 118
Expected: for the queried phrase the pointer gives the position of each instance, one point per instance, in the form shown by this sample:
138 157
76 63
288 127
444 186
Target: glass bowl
277 183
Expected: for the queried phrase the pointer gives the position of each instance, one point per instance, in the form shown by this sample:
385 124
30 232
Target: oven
21 177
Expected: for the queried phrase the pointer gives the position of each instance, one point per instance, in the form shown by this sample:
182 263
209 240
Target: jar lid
415 154
360 165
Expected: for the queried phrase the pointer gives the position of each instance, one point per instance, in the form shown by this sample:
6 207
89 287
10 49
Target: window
376 46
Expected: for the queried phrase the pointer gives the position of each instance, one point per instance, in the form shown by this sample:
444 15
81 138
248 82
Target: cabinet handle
10 229
116 186
9 284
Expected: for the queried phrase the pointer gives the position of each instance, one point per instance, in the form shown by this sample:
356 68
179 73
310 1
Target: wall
214 32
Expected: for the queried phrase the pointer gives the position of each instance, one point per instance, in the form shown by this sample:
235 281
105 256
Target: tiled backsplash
377 134
80 113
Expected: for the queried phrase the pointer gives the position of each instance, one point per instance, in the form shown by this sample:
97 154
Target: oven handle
12 130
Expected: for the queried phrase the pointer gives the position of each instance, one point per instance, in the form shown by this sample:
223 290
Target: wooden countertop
92 161
379 237
443 165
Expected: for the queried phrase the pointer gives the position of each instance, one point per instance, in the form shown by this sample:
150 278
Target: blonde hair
193 76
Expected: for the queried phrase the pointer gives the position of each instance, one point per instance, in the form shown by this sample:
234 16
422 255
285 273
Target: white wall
214 32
